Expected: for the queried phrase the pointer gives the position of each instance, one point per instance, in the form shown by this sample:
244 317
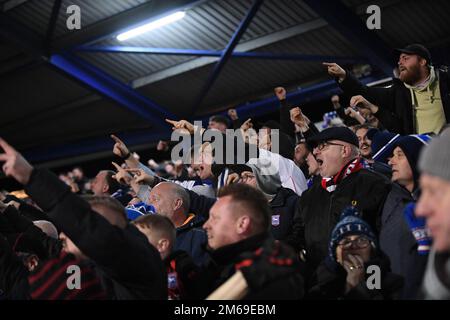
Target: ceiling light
151 26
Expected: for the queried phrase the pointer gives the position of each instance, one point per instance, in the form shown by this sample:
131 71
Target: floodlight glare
151 26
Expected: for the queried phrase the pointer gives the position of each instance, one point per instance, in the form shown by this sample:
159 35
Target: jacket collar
231 252
192 221
280 198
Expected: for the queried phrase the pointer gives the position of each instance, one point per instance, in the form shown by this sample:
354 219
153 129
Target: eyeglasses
324 144
245 176
360 243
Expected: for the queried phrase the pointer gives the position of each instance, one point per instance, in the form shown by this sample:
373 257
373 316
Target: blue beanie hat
382 142
349 224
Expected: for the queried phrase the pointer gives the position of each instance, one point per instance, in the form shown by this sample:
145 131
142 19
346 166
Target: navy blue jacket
192 239
283 210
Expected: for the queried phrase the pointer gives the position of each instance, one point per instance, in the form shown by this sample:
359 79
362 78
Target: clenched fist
280 92
360 101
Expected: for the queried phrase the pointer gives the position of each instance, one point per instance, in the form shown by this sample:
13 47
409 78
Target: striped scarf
50 280
330 184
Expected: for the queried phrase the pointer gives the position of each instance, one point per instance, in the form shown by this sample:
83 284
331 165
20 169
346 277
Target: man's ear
163 245
178 204
347 150
422 62
243 224
105 188
32 262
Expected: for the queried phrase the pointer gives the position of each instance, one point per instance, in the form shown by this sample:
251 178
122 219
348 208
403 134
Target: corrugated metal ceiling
35 14
209 25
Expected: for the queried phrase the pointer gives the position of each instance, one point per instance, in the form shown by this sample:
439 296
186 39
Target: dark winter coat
192 239
283 208
266 280
395 104
129 267
318 211
398 242
331 282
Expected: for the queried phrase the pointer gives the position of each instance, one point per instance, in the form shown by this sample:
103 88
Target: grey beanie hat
435 158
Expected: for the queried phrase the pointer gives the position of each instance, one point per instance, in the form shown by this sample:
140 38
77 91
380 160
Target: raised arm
101 241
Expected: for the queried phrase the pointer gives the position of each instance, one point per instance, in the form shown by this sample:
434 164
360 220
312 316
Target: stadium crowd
356 209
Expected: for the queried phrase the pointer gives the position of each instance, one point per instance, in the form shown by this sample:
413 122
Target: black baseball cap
335 133
417 49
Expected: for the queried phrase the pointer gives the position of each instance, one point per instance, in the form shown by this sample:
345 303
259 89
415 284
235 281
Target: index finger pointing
6 147
118 168
172 122
116 139
328 64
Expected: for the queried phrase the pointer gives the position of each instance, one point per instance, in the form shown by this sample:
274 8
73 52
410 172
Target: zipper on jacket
330 213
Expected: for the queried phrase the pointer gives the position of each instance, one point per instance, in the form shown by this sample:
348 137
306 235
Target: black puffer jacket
318 211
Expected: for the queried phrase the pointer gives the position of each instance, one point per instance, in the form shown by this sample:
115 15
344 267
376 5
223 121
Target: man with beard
417 102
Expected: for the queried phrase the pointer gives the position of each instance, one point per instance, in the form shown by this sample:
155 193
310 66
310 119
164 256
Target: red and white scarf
330 184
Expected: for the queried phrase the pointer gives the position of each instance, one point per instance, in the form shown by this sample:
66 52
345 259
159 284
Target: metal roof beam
111 88
314 92
226 54
309 93
84 72
52 25
118 23
11 4
242 47
216 53
342 18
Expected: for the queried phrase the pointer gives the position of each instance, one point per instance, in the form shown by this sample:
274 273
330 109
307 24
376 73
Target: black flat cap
336 133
